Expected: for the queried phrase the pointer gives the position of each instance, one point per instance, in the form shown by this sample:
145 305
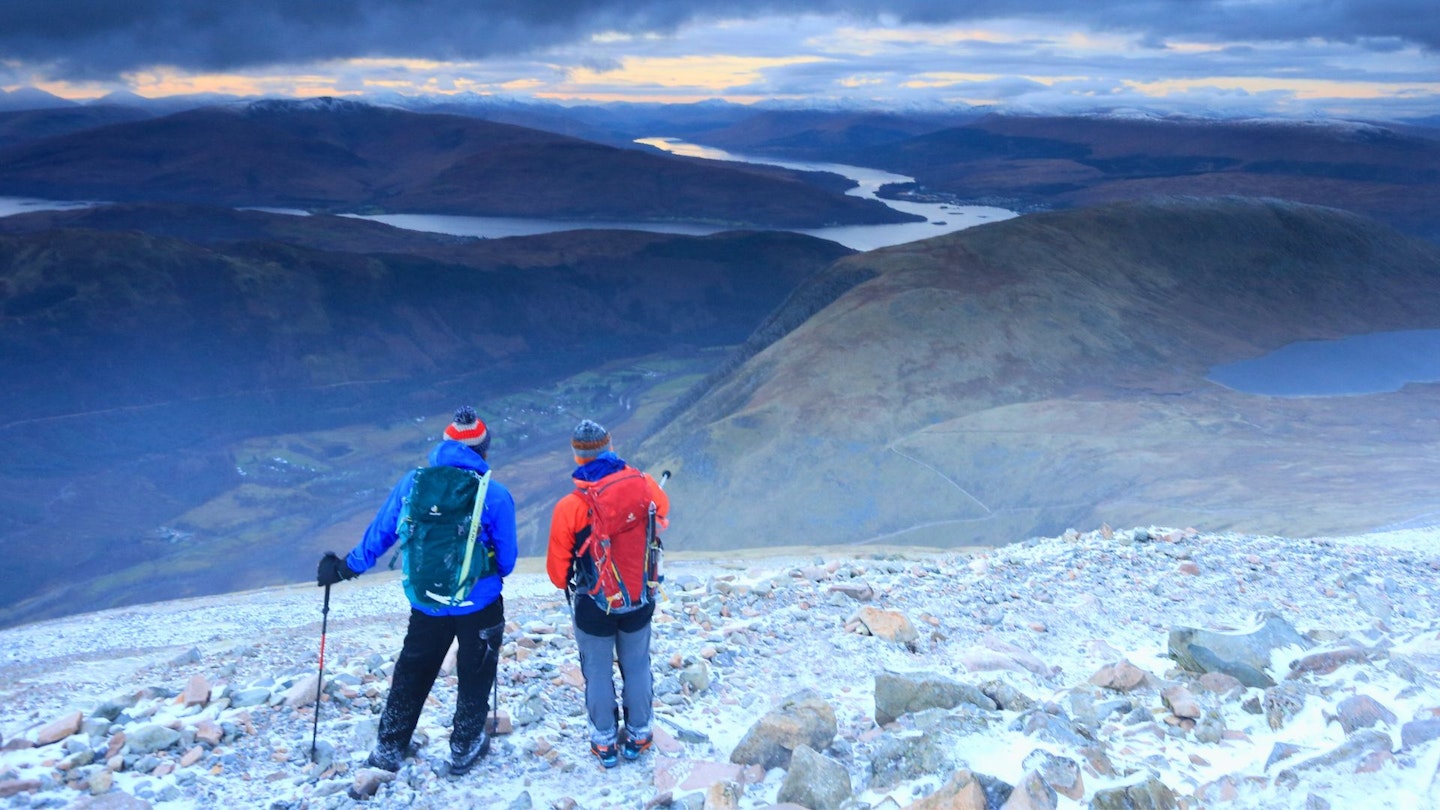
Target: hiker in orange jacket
612 613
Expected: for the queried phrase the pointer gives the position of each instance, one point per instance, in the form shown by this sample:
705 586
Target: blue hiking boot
607 754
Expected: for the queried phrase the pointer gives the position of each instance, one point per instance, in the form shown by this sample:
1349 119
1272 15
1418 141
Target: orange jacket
571 517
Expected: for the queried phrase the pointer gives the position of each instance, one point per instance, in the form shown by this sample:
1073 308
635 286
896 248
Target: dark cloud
96 39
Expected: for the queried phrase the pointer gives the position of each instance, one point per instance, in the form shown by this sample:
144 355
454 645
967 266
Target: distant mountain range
1023 377
343 156
1382 172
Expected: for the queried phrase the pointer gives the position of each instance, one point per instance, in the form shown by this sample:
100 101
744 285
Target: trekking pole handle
664 476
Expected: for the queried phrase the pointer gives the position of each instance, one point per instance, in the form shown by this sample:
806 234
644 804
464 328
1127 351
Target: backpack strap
480 491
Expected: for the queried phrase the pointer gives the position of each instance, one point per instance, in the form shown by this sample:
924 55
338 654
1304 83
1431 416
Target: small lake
1362 364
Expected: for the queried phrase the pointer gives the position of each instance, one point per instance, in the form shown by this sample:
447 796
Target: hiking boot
464 757
607 754
635 746
386 759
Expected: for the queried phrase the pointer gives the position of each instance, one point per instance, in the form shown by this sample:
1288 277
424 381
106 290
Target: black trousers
427 640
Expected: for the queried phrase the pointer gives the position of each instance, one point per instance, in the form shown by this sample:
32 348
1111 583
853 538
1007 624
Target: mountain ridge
1018 334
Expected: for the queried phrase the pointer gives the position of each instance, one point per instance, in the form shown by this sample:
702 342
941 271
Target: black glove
331 570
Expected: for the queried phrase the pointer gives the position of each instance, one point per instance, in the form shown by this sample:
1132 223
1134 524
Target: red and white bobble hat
468 429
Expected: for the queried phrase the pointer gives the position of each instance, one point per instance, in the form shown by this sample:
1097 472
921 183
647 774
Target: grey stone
1244 656
1417 732
801 719
254 696
1282 703
1152 794
900 693
815 781
150 738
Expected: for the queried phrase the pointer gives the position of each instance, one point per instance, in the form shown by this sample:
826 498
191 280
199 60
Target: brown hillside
348 157
1021 377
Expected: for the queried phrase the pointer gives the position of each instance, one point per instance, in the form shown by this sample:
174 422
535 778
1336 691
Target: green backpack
439 524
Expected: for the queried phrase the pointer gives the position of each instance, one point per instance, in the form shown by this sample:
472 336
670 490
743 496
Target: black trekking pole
320 685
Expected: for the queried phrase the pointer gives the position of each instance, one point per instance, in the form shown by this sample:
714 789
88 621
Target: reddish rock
1362 711
962 792
890 625
60 728
11 787
197 692
1181 703
1120 677
209 732
192 756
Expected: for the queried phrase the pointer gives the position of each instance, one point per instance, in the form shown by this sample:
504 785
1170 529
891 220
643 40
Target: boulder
1121 676
1152 794
890 625
961 792
1060 773
815 781
900 693
1362 711
1347 757
1031 794
1243 655
59 728
801 719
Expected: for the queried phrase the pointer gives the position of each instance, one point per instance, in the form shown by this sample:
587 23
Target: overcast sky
1347 58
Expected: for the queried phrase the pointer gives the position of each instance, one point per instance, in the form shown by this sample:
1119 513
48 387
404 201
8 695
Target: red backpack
616 550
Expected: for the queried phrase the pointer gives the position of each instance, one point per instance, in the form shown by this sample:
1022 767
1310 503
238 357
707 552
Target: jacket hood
607 463
450 453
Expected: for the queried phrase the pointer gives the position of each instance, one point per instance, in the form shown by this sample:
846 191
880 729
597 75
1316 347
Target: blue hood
450 453
599 467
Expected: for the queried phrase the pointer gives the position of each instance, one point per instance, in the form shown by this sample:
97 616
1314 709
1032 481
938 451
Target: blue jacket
497 527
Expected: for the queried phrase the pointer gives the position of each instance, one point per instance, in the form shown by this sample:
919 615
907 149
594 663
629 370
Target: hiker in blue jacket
476 619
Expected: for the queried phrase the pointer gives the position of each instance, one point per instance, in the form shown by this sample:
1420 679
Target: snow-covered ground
1039 626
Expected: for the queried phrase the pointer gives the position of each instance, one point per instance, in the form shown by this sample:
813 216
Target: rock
209 732
723 796
1061 773
1050 723
900 693
1006 696
1348 756
961 792
1031 794
254 696
112 800
802 719
1281 703
148 739
890 625
1417 732
11 787
59 728
815 781
368 781
1221 684
1152 794
859 591
1244 655
696 676
1362 711
196 693
899 758
1121 676
1180 702
1326 662
302 693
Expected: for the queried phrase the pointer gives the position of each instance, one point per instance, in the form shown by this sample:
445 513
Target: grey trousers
598 655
